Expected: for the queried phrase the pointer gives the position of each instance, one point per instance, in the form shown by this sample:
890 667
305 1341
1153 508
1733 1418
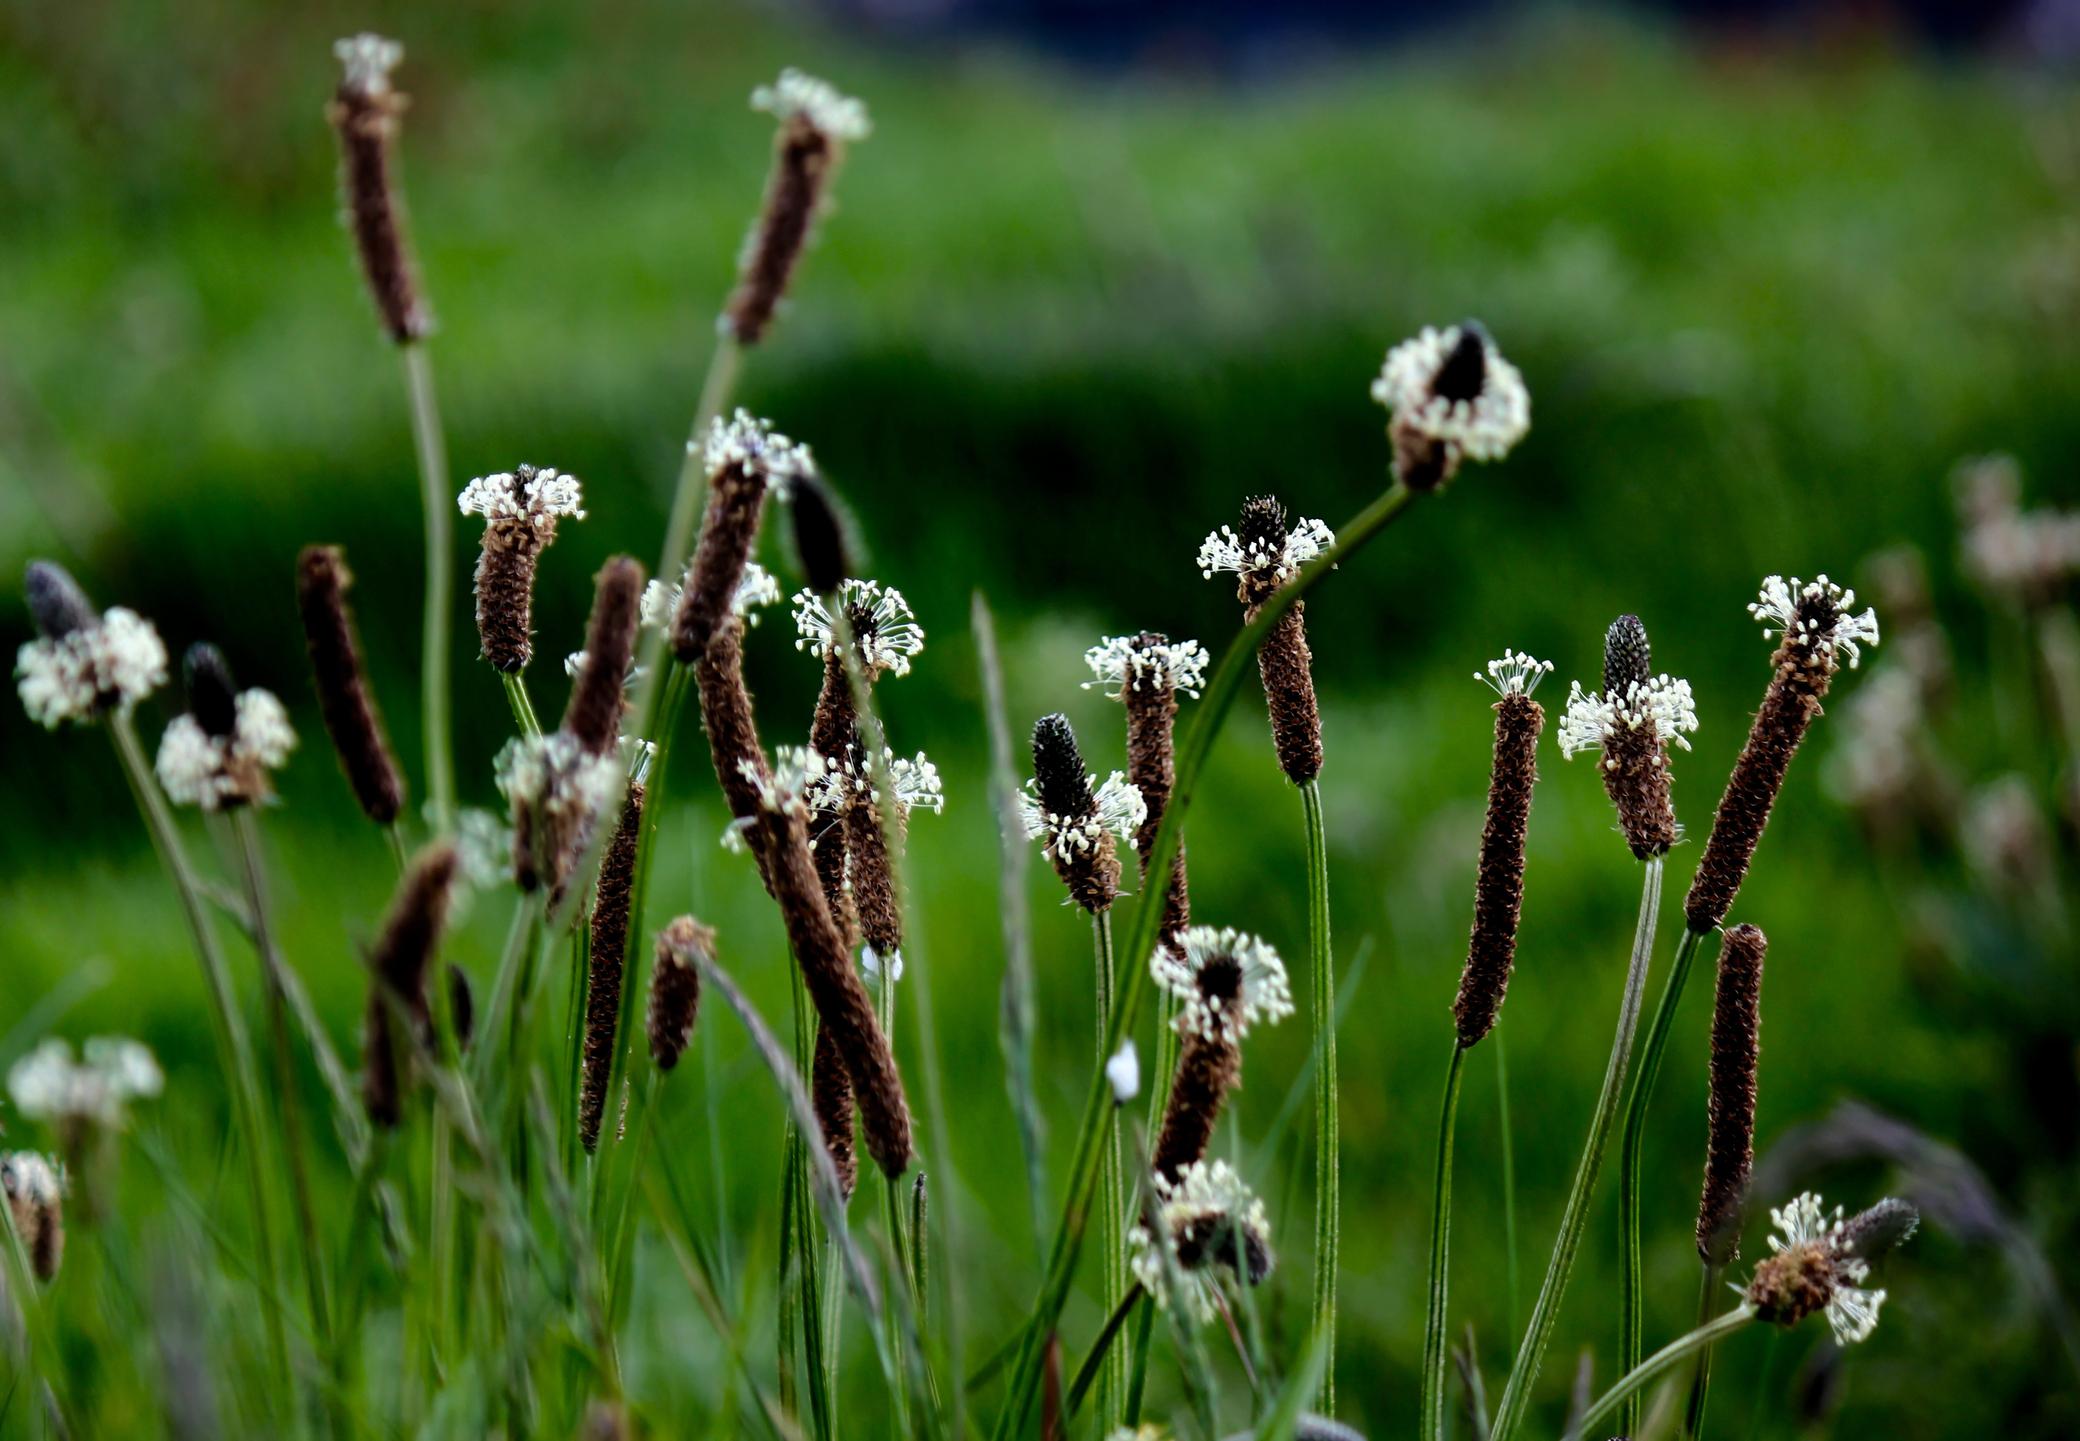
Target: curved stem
1509 1176
1212 709
235 1047
439 500
1101 1349
1328 1136
1701 1375
1440 1251
1661 1361
1545 1312
1637 1099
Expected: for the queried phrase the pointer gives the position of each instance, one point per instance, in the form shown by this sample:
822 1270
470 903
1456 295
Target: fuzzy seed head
1730 1134
796 95
1146 663
1201 1228
1453 388
1812 1269
675 988
1628 659
1224 980
1815 616
83 665
884 629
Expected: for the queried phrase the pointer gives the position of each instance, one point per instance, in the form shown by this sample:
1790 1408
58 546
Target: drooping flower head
83 664
1201 1227
1631 723
1225 982
219 754
1452 396
1076 819
521 509
1821 1261
1498 896
883 628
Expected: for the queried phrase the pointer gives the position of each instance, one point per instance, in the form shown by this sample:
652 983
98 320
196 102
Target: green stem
439 502
1220 693
1701 1374
1637 1100
1112 1386
1101 1349
1433 1428
1545 1312
521 704
234 1045
1328 1142
1663 1360
1509 1178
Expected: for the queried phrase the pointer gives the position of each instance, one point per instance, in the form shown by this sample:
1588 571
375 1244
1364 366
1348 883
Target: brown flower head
520 511
365 111
1224 982
1147 672
222 753
1452 397
675 988
1498 895
343 697
1264 555
1631 724
398 967
1730 1134
598 691
1074 818
35 1191
746 458
1820 1261
607 964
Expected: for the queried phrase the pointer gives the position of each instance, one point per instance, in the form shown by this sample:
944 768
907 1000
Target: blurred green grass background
1059 325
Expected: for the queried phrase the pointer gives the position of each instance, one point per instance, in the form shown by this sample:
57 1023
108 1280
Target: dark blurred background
1770 271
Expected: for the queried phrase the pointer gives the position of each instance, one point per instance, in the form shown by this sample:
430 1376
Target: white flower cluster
790 783
1224 980
746 440
31 1179
113 663
1203 1218
1665 702
1224 550
198 769
367 61
836 115
1117 807
849 780
883 624
1123 662
1779 605
1516 673
540 497
756 588
49 1085
1852 1311
566 785
1484 427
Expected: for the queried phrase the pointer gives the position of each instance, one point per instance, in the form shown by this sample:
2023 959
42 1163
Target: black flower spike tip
212 697
1628 659
1058 773
1465 369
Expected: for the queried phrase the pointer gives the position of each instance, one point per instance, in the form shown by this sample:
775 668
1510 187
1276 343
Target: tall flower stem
1112 1384
1545 1311
1236 662
521 704
1328 1142
272 966
1637 1099
439 500
1433 1428
1655 1365
234 1046
1509 1175
1701 1370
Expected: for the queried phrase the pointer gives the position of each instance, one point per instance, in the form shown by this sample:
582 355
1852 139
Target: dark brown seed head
1788 710
212 696
834 735
726 715
830 1093
1795 1283
874 898
1286 667
803 161
729 530
1498 896
1870 1234
675 988
1422 462
506 565
1063 784
1151 700
365 111
1635 775
607 964
1464 373
56 603
1730 1134
594 712
343 696
1087 863
822 543
399 963
1628 659
1208 1067
462 1006
35 1191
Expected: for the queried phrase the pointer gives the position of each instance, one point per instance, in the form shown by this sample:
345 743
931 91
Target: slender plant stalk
1545 1311
1509 1176
272 966
522 704
1112 1384
1440 1253
1220 693
440 581
234 1046
1637 1100
1101 1349
1328 1134
1701 1371
1606 1405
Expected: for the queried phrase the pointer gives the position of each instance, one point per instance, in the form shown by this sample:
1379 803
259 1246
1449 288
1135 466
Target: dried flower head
365 110
1224 980
830 1096
1074 818
557 790
1632 730
757 588
1498 896
1818 1265
399 964
1265 555
816 123
521 509
1452 396
745 459
1730 1133
675 988
219 754
35 1190
343 697
883 627
91 1094
1146 663
82 665
1814 623
598 695
606 965
1203 1226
